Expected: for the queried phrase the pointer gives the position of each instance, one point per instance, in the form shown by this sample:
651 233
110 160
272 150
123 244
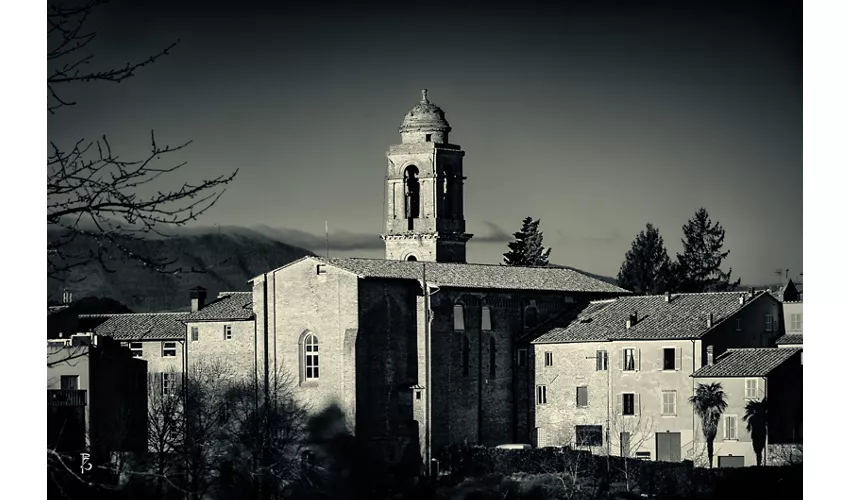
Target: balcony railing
66 397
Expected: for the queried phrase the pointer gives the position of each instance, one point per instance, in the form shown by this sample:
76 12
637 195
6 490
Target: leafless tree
628 435
267 434
165 432
94 195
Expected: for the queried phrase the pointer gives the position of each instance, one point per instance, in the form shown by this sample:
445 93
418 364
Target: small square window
428 137
320 270
169 349
768 322
194 334
228 332
548 359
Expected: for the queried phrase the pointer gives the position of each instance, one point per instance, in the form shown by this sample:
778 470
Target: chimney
197 297
710 321
742 298
632 321
752 292
666 296
709 354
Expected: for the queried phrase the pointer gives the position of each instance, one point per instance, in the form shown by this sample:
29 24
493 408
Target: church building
421 349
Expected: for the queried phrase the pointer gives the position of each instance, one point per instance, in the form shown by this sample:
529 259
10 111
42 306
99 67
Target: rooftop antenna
327 242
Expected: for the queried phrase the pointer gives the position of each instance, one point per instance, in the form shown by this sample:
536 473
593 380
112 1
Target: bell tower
424 207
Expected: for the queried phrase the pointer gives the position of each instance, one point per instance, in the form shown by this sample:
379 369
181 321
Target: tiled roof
684 317
56 309
477 275
140 326
790 339
228 306
750 362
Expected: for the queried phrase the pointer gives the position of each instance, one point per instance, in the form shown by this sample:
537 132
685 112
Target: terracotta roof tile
228 306
790 339
478 275
750 362
684 317
140 326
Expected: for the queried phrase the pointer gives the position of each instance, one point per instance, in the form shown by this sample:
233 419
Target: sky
595 117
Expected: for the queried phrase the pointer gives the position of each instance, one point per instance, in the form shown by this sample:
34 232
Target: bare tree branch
93 194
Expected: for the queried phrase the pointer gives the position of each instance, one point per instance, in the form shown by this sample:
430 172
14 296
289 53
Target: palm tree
709 402
755 415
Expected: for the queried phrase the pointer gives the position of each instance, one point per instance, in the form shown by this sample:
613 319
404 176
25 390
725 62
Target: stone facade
239 351
663 425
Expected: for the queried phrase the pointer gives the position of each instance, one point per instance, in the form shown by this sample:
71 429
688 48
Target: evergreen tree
647 268
527 249
698 267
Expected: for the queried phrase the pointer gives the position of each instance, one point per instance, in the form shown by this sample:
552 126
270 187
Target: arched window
486 325
492 357
311 357
411 258
458 317
465 355
530 317
411 193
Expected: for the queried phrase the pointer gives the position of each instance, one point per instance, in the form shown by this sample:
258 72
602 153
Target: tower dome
423 118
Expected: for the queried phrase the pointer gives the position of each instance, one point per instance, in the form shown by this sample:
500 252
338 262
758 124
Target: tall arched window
492 357
311 357
458 318
411 193
530 317
465 355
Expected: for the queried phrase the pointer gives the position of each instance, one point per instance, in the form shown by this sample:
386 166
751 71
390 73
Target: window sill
669 415
311 383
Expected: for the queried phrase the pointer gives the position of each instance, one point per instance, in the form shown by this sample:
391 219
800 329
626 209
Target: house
95 397
757 374
616 380
222 330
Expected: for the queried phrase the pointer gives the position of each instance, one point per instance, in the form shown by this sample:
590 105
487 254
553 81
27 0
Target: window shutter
678 358
637 360
637 404
623 360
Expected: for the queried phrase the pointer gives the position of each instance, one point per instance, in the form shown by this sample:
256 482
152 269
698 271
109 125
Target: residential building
768 374
95 397
223 330
617 379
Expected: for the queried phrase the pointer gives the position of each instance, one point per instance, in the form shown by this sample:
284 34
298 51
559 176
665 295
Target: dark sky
596 117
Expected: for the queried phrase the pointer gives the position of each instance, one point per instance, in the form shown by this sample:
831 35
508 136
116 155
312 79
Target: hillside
230 257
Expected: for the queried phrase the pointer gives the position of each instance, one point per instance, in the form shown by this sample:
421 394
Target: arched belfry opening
411 195
424 196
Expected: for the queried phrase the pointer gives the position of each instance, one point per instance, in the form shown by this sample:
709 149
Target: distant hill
230 256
